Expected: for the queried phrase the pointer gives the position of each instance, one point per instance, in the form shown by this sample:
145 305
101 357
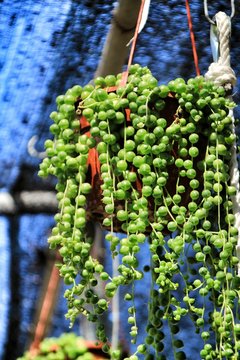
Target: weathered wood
28 202
122 29
46 302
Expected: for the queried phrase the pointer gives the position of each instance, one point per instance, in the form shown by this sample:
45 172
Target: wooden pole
115 51
47 306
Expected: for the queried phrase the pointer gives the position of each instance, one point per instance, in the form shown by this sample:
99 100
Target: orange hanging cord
194 49
134 41
93 160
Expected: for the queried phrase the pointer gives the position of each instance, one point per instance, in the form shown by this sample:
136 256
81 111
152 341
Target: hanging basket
129 111
147 160
170 112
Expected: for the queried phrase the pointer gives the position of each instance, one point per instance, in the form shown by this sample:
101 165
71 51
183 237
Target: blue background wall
46 47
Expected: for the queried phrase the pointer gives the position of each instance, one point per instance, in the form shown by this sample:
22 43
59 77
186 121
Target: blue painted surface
46 47
4 279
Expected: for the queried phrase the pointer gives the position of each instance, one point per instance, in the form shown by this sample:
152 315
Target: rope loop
220 71
212 21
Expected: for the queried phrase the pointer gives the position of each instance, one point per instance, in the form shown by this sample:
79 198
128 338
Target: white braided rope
221 74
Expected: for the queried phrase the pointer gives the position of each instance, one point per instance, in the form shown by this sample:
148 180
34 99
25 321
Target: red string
195 56
134 41
93 160
94 163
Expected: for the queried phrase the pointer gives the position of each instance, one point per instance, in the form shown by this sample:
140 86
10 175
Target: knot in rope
221 75
220 72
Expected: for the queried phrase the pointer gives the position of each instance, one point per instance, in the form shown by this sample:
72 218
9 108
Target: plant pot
148 160
66 347
95 207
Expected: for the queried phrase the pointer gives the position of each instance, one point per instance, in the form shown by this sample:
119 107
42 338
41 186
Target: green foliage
67 346
165 171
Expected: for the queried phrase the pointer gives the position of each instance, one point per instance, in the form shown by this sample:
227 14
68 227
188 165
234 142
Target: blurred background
47 46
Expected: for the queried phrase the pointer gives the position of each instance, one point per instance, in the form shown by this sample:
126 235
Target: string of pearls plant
164 172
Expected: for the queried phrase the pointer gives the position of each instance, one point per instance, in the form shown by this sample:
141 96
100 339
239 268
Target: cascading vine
153 162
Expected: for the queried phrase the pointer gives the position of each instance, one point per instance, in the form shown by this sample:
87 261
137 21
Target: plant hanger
153 162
